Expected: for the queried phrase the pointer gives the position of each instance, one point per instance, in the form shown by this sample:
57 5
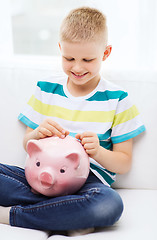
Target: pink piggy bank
56 166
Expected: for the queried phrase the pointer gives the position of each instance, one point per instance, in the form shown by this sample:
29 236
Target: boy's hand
50 128
90 141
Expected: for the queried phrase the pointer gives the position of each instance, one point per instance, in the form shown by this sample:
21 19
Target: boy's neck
82 90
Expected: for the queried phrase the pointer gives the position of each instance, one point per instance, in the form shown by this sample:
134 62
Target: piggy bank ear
74 159
33 147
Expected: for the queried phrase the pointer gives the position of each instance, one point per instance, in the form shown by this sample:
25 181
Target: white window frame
7 56
146 49
6 40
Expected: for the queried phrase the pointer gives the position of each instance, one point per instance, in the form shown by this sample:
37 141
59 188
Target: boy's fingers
56 129
78 136
56 126
86 140
88 134
84 135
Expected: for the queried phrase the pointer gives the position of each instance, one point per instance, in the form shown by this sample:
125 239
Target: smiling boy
93 110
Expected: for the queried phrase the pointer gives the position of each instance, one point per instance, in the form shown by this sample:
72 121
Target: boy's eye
69 59
88 60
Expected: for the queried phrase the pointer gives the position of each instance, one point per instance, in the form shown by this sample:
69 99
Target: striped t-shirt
106 111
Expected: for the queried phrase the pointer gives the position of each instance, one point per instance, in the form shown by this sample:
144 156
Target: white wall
132 29
6 43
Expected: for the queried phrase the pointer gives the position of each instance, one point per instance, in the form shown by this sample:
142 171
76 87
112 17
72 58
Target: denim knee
116 207
109 208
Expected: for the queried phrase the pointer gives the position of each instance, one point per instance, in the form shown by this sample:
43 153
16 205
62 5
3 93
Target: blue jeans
94 205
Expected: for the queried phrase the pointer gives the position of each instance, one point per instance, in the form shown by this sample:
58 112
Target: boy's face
82 61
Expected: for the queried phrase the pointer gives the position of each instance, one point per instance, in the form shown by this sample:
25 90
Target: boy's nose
77 68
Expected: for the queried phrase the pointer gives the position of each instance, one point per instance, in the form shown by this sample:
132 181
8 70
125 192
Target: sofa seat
16 233
139 219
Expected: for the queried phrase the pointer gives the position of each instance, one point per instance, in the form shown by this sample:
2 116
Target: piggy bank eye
62 170
38 164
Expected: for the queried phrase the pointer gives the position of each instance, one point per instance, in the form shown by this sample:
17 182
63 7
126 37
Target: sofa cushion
8 233
137 222
18 79
141 86
18 83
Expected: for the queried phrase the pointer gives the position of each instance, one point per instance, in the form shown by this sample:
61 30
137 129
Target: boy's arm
47 128
118 161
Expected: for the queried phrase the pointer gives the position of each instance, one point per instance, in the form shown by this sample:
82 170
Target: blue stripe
112 173
102 137
128 136
104 169
106 177
107 95
72 134
27 121
105 136
106 145
49 87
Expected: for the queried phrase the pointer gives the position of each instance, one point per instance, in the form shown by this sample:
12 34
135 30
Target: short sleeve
30 115
127 121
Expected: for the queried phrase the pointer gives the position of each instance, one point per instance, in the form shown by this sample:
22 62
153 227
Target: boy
89 108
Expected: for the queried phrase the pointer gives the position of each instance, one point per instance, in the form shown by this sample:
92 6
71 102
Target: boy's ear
107 52
59 45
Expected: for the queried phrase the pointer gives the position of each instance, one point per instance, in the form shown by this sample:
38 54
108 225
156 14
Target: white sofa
138 188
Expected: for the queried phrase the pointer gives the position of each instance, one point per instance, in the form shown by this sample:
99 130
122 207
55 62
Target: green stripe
106 145
56 88
111 173
49 87
104 169
104 136
106 177
107 95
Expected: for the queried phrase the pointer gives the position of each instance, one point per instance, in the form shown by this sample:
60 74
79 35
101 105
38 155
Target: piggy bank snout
46 179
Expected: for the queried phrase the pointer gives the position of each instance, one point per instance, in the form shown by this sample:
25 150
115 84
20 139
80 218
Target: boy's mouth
79 75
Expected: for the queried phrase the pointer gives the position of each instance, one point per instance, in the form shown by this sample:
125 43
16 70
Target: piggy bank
56 166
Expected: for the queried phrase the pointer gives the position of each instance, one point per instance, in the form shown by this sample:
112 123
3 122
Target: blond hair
84 24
